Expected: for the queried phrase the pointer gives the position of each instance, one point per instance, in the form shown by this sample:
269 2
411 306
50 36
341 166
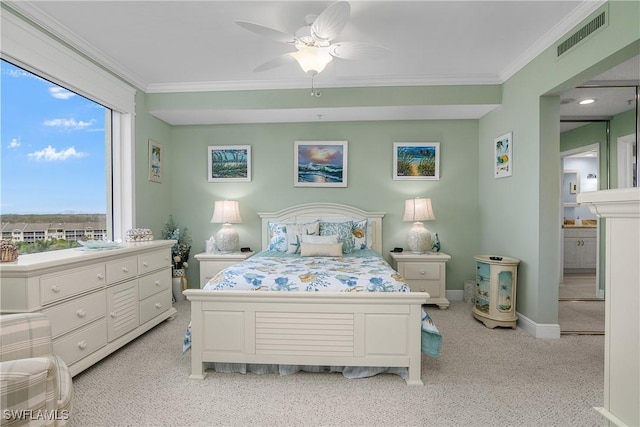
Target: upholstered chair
35 384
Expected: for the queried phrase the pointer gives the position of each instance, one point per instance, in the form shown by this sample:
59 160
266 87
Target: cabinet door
122 309
571 248
588 253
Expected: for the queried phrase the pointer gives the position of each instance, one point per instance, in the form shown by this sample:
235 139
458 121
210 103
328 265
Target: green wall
516 216
370 183
531 196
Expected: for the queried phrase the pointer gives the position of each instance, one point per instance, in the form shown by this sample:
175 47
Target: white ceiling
182 46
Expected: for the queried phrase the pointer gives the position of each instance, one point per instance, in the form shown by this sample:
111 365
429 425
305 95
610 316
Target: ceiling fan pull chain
315 93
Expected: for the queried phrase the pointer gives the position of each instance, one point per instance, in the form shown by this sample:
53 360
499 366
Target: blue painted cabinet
495 293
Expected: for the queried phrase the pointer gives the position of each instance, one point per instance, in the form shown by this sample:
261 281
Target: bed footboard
300 328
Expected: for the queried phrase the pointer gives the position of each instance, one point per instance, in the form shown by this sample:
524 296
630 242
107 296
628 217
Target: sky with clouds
52 157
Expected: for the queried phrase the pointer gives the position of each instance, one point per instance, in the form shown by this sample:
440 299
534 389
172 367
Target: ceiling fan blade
330 22
275 62
357 50
268 32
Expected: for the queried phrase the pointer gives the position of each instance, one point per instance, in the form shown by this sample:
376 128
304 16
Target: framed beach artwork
229 163
320 164
503 155
155 161
416 161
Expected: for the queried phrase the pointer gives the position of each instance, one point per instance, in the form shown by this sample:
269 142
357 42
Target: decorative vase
179 283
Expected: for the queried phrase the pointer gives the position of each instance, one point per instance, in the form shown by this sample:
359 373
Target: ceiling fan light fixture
311 59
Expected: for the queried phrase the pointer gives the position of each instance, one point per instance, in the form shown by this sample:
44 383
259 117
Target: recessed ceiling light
587 101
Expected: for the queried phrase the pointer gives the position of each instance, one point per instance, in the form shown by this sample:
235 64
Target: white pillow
295 231
320 239
321 249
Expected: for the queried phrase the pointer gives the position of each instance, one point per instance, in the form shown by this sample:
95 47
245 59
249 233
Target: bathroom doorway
580 227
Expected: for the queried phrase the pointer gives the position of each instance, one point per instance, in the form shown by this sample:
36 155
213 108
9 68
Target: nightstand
424 273
212 263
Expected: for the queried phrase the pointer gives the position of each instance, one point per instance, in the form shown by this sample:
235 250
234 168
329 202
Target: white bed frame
308 328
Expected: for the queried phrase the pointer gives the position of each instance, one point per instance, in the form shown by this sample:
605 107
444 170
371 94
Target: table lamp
420 240
226 212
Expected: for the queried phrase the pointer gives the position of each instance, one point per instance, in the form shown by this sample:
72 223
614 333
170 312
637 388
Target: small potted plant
179 254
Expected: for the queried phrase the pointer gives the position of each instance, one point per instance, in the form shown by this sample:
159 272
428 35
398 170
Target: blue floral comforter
336 274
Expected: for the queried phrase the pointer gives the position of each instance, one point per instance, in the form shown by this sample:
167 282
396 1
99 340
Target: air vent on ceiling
582 33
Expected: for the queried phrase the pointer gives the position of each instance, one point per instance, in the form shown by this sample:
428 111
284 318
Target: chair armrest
24 335
28 389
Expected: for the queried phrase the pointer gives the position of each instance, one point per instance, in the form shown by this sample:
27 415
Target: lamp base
227 239
419 240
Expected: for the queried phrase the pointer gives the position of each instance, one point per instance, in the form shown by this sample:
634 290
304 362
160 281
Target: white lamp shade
419 239
312 59
418 209
226 212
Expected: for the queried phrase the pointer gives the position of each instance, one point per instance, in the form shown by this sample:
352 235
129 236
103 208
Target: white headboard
313 211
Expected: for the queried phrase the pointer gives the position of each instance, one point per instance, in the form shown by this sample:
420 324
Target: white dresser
97 301
620 209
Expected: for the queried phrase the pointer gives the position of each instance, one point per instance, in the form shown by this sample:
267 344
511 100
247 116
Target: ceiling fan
314 41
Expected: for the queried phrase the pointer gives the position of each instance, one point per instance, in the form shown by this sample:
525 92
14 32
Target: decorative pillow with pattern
277 237
344 230
360 233
295 232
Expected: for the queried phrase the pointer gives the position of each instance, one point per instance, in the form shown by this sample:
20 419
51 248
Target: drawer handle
55 288
82 345
422 290
422 272
157 282
81 312
125 269
113 314
100 276
158 305
145 264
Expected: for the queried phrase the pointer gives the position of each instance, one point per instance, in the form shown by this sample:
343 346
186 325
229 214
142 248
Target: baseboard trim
539 330
454 295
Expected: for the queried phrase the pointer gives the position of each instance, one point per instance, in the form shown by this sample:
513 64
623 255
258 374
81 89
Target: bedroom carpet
483 377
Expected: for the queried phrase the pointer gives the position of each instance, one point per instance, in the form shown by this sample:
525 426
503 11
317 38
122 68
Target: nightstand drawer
210 269
432 288
420 271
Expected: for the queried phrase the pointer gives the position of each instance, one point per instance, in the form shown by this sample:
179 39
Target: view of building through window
54 170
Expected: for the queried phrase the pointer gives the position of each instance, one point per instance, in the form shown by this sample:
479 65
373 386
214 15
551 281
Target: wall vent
588 29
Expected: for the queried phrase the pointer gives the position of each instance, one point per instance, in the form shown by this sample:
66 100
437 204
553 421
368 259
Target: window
54 166
25 44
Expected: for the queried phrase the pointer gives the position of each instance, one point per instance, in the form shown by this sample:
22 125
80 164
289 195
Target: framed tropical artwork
229 163
155 161
320 164
416 161
503 158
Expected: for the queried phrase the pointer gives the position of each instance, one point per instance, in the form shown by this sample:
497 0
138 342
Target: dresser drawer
81 343
73 314
59 286
121 270
154 305
154 261
154 283
420 271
